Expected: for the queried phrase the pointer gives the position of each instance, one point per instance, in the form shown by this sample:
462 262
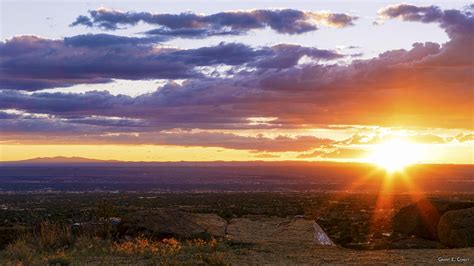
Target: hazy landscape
80 175
67 194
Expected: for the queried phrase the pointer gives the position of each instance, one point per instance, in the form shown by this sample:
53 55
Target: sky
236 80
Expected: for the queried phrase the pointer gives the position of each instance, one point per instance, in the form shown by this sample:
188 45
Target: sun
395 154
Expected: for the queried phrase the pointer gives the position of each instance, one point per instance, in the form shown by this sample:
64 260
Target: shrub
206 251
21 251
162 252
105 210
51 236
90 246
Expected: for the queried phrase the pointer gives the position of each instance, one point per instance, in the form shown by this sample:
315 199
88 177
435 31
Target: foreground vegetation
36 229
348 218
52 248
55 244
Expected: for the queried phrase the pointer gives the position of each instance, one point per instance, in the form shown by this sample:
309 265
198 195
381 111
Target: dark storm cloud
33 63
287 21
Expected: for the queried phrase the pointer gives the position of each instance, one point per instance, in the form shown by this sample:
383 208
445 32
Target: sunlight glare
394 155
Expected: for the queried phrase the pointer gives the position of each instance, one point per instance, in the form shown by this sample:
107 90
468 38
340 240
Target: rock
456 228
264 230
214 224
171 223
320 237
421 218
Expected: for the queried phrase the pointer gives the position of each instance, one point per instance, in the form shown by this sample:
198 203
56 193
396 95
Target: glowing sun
394 155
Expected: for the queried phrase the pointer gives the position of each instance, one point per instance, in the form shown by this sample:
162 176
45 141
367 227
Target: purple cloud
73 131
455 22
427 85
32 63
192 25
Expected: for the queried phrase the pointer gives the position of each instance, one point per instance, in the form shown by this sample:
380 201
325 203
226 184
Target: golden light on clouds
390 148
180 96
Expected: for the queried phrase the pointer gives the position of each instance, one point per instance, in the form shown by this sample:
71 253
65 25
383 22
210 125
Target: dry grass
93 250
163 252
51 236
54 244
20 252
171 251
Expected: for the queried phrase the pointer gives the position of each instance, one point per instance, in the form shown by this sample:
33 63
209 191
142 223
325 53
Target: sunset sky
236 80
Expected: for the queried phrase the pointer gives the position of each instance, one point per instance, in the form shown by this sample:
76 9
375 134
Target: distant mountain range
62 160
59 160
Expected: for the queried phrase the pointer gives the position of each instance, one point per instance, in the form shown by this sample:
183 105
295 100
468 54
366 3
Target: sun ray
383 207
